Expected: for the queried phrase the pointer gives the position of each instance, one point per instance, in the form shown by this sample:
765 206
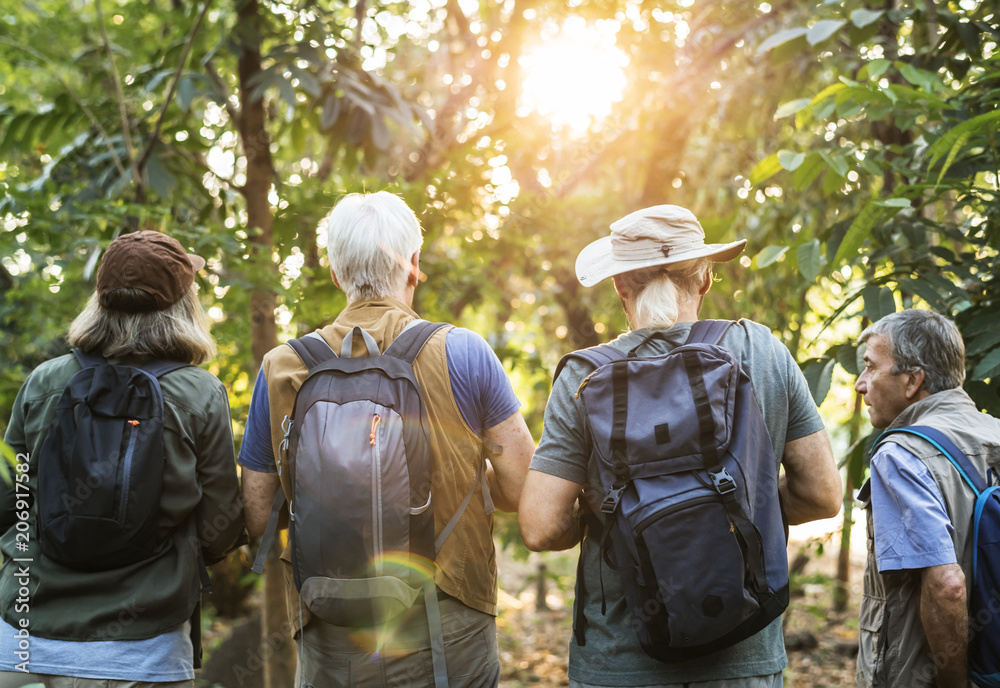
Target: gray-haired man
914 614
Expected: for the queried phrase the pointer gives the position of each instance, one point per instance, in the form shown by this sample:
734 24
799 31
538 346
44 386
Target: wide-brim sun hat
660 235
147 261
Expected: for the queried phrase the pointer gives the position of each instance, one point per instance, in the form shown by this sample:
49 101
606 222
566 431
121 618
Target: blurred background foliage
854 144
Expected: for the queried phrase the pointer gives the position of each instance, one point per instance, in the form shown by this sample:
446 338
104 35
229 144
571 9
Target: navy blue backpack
984 602
692 519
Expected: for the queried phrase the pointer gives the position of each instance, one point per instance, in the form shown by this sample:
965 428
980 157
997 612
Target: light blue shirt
911 524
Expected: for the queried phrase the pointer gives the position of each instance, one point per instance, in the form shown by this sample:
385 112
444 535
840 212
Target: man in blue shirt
913 618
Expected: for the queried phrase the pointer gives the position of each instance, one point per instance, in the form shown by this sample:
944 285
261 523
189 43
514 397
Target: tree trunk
279 664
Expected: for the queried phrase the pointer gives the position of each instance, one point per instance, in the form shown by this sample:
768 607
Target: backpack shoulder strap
312 349
160 368
708 331
412 339
958 459
597 356
88 360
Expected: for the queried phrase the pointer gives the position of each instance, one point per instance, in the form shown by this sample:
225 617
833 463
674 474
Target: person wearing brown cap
662 269
124 624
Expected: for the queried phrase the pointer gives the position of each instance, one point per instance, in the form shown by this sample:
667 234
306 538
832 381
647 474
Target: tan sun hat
659 235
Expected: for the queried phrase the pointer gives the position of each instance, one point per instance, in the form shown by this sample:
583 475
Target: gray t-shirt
612 655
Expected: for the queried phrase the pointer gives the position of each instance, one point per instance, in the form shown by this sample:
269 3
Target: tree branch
122 110
173 88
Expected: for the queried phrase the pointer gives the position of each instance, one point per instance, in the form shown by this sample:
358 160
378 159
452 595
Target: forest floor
821 643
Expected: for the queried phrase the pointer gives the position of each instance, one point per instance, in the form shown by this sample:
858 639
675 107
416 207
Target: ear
707 284
413 278
333 276
620 287
915 384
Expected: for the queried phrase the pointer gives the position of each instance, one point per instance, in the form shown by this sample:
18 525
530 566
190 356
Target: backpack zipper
377 543
694 501
133 431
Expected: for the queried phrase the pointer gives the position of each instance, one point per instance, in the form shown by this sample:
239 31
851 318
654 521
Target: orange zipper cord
375 421
133 423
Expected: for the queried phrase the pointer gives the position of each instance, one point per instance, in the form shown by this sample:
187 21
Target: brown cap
660 235
151 262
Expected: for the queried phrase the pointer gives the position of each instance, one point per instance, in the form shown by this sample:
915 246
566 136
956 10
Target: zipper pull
375 421
133 423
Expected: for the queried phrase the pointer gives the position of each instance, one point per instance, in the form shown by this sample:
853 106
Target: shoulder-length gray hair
655 304
177 333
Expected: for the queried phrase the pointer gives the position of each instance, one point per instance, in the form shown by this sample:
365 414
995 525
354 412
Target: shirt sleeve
256 450
479 382
803 416
911 524
564 450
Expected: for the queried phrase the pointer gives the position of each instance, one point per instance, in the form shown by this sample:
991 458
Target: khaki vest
466 564
893 647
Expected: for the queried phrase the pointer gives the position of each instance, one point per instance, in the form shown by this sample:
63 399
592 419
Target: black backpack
100 467
692 519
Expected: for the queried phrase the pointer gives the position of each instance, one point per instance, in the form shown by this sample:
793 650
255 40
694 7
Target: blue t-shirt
478 381
161 659
911 525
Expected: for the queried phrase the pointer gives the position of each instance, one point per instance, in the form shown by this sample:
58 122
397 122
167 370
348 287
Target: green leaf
862 18
836 161
808 259
781 37
819 374
924 290
822 30
856 464
955 138
877 68
984 342
765 169
879 302
331 111
847 357
895 203
791 107
921 78
790 160
808 171
858 232
988 367
769 255
160 179
185 93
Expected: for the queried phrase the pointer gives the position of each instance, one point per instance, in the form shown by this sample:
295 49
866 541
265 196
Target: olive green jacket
200 508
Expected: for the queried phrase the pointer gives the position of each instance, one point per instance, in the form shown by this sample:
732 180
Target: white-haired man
662 270
914 624
374 248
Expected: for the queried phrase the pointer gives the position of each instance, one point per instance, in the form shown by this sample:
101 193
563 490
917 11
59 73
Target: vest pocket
872 642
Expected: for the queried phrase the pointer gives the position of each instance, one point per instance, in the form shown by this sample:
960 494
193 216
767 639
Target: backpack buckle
611 499
723 482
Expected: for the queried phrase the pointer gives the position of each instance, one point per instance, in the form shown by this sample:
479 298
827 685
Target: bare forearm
945 618
811 487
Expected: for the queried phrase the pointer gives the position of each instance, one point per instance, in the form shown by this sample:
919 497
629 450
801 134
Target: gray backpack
692 521
361 519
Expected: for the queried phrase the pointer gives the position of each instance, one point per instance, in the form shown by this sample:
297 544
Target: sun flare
574 77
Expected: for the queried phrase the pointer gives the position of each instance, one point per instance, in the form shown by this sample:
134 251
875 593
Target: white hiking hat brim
660 235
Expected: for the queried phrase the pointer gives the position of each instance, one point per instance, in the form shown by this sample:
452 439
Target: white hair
371 238
656 304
